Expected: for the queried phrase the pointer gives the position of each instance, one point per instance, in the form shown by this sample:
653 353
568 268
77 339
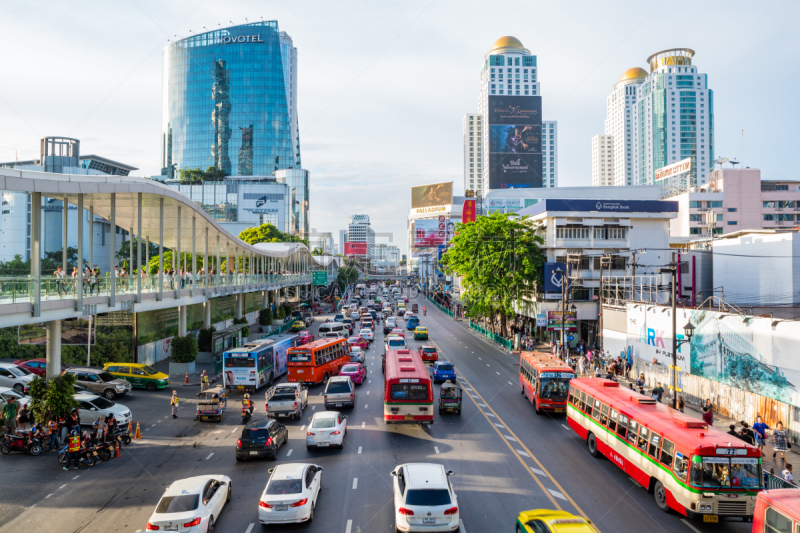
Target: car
421 333
398 331
359 341
308 320
412 323
357 354
443 371
36 366
304 337
339 391
291 494
428 353
326 430
261 438
367 334
92 408
100 382
355 315
405 299
356 371
394 342
138 375
401 311
15 377
350 325
392 321
6 393
191 505
338 318
424 499
286 399
552 521
298 325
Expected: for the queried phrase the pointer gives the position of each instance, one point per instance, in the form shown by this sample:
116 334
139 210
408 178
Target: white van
337 328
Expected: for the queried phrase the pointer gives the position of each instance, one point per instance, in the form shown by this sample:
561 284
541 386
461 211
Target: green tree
346 276
15 267
152 268
124 252
195 176
500 261
268 233
52 397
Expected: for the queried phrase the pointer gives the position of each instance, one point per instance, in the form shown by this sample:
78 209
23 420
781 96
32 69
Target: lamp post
573 309
688 330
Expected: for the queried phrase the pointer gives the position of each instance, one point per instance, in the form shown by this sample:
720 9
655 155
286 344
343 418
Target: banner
684 165
468 212
432 195
430 232
355 248
541 320
554 321
515 142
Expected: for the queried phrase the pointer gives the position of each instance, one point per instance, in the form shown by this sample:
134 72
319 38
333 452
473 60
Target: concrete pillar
138 272
112 291
64 236
177 262
53 349
160 249
36 251
79 288
206 262
194 254
264 299
91 237
207 314
239 306
182 321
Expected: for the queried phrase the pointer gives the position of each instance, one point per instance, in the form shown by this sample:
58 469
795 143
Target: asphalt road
506 459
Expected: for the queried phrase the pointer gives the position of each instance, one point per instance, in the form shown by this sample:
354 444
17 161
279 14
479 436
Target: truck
286 400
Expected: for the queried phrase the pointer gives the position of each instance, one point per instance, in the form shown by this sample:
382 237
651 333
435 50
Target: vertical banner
468 212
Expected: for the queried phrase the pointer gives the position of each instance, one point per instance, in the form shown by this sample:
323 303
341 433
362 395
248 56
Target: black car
261 438
386 328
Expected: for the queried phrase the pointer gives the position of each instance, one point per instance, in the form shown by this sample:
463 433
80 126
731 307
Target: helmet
75 432
246 396
95 424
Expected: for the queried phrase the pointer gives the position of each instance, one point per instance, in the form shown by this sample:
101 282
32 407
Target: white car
191 505
15 377
6 393
291 494
355 315
327 429
424 499
395 342
391 322
367 334
92 407
356 355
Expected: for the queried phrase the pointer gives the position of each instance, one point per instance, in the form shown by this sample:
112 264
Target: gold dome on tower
507 44
635 73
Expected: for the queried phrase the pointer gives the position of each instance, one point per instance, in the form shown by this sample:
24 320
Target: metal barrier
499 339
774 482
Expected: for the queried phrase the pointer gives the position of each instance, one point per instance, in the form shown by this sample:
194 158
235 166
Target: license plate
253 453
94 453
281 414
410 417
559 410
711 518
281 507
428 520
324 444
299 371
337 404
171 528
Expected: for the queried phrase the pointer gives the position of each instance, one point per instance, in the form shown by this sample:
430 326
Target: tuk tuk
450 398
211 403
414 308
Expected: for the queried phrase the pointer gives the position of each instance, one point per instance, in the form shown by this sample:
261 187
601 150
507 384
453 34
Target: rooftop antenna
720 161
733 163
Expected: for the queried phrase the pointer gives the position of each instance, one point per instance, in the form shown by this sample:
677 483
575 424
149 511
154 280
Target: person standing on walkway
52 428
760 429
787 474
24 417
174 403
59 275
680 404
203 382
658 392
780 440
10 414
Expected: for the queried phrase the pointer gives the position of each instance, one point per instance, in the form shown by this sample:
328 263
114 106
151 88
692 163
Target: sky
384 85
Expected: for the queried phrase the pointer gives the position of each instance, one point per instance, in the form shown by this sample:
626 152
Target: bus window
596 410
571 398
582 401
644 433
680 466
667 451
622 426
612 421
633 431
777 522
604 415
589 404
655 440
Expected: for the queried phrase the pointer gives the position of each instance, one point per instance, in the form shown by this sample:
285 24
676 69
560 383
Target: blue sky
383 85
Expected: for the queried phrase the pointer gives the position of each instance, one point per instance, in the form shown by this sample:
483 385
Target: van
337 328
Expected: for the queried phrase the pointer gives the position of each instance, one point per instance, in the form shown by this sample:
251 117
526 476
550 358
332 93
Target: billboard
431 195
468 212
430 232
684 165
355 248
553 279
515 142
554 321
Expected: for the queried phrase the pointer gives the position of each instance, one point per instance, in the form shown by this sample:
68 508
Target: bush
265 317
184 349
204 337
52 398
287 310
279 313
245 333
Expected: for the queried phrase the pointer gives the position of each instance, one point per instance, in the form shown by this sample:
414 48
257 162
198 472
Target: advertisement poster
355 248
515 142
432 195
430 232
554 321
541 320
468 212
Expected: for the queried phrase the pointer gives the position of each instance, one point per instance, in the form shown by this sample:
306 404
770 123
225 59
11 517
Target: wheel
109 394
591 442
126 439
238 458
19 388
660 494
311 514
35 449
151 387
46 445
104 454
62 458
5 448
230 492
91 461
210 528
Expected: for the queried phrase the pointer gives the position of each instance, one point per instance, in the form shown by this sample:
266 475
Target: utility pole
674 271
604 260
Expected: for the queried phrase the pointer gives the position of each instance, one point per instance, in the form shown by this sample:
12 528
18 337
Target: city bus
408 393
695 470
257 363
316 361
777 511
544 380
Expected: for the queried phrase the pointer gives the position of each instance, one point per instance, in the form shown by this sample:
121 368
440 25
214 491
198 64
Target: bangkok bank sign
230 39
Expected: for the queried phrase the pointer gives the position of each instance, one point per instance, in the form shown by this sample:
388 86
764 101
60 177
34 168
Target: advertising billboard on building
684 165
435 194
554 321
515 142
468 212
355 248
430 232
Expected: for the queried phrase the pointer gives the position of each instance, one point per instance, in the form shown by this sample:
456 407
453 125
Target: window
785 217
667 450
633 431
604 415
696 218
582 401
769 205
612 420
695 231
681 465
655 442
769 217
716 203
787 204
572 233
777 522
588 405
644 435
731 210
732 223
695 204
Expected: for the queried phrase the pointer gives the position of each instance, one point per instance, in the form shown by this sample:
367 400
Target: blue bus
257 363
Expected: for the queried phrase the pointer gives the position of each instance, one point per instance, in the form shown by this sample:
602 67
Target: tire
210 528
311 516
109 394
151 387
230 492
5 448
660 495
35 449
126 439
19 388
91 461
105 454
591 442
62 458
46 445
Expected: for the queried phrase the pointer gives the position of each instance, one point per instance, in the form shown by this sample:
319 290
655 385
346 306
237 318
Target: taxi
298 325
138 375
556 521
421 333
304 337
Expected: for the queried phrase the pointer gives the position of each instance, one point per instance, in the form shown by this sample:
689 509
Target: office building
322 240
387 255
342 240
602 160
360 231
473 152
549 154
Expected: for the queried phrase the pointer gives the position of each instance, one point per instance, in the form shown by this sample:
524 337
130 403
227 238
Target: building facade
342 240
602 160
473 152
322 240
549 154
360 231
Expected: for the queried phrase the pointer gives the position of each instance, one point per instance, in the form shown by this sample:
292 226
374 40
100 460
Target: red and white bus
777 511
696 470
408 393
316 361
544 380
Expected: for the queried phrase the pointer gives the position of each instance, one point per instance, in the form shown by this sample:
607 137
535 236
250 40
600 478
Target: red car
304 337
428 353
356 371
37 366
405 299
398 331
359 341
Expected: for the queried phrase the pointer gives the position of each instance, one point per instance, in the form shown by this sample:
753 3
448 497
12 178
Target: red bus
408 393
777 511
696 470
316 361
544 380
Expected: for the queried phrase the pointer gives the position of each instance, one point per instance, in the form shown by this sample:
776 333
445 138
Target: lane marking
565 426
232 431
363 425
508 382
303 427
461 526
557 494
490 414
499 425
76 477
482 404
479 358
359 449
487 364
523 453
366 405
48 496
313 407
209 456
249 528
349 526
62 486
538 471
436 449
498 373
509 437
367 393
355 483
690 526
289 452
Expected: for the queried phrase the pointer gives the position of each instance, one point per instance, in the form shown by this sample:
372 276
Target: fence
774 482
441 308
499 339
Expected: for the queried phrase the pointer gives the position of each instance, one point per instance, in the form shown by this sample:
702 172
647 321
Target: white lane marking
147 429
690 526
366 405
154 425
349 526
498 373
217 431
157 421
473 352
509 437
537 471
461 526
474 396
303 427
565 427
289 452
209 456
363 425
523 453
509 382
490 414
436 449
76 477
482 404
557 494
487 364
313 407
62 486
233 431
47 496
479 359
499 425
249 528
355 483
367 393
359 449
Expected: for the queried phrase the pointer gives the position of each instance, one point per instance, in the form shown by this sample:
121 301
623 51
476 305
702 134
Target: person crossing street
174 403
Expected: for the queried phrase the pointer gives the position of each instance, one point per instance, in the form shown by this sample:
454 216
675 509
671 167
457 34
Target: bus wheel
591 441
660 494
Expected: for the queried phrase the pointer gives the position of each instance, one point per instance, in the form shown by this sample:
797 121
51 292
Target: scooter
246 415
88 456
20 443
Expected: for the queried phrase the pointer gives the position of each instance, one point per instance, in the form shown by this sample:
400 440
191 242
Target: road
506 459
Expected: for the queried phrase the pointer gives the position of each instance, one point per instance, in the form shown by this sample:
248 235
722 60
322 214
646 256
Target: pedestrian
203 382
174 403
658 392
760 429
732 431
52 428
787 474
750 433
680 404
710 407
582 365
10 414
24 417
780 440
708 417
73 449
745 436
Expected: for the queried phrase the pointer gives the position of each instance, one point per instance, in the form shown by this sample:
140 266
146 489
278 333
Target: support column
264 299
207 314
64 236
194 255
182 321
36 251
112 289
139 250
160 249
206 262
91 237
79 287
217 265
239 306
177 262
53 349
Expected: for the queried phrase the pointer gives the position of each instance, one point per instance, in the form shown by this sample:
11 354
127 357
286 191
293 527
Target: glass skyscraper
230 101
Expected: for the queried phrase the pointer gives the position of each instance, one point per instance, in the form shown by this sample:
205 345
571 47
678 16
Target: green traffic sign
319 277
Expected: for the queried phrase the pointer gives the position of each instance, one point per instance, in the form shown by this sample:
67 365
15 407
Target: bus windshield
239 362
554 385
725 472
300 357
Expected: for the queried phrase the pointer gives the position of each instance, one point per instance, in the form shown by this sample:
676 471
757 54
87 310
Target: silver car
101 382
340 392
15 377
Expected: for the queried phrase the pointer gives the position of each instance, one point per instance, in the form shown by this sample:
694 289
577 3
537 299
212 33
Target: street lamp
688 329
564 310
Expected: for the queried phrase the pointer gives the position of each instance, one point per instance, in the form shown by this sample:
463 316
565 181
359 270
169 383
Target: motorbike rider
424 310
247 404
95 428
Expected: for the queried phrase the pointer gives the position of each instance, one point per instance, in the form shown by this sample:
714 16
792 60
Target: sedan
191 505
327 429
443 371
291 494
36 366
92 408
355 315
304 337
428 353
356 354
400 332
356 371
359 341
367 334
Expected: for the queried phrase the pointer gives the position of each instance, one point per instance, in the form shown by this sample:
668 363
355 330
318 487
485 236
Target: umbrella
304 304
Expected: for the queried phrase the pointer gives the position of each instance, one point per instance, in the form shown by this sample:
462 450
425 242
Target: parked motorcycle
105 450
123 435
20 443
88 456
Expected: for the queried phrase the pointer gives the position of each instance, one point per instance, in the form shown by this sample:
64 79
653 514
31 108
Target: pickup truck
286 400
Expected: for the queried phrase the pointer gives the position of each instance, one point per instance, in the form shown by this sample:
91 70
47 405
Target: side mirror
450 473
270 470
393 473
310 418
344 416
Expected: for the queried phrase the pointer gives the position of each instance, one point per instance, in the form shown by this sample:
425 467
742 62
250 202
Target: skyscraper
602 160
473 152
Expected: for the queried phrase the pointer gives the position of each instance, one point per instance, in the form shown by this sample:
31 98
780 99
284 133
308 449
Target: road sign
570 338
319 277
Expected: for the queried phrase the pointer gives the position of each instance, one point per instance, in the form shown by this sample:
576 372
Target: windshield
149 370
300 357
322 423
349 368
178 504
394 343
17 371
552 387
239 362
337 387
102 403
445 368
285 486
724 472
428 497
106 377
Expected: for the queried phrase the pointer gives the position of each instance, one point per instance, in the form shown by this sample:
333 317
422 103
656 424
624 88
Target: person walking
174 403
708 416
680 404
10 414
73 449
24 417
658 392
59 275
52 428
780 440
760 429
203 382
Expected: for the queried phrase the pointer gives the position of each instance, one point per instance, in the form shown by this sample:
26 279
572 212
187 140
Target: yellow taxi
139 376
298 325
540 520
421 333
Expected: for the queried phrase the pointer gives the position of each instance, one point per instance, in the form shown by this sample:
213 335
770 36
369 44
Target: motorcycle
88 456
123 435
246 415
105 450
20 443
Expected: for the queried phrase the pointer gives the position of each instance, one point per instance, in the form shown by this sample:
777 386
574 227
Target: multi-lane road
506 459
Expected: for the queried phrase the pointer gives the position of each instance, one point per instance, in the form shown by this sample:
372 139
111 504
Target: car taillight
269 442
406 512
351 395
451 511
195 522
337 432
265 505
151 527
309 434
239 443
325 397
295 405
300 503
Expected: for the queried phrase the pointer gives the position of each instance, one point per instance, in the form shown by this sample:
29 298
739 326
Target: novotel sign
230 39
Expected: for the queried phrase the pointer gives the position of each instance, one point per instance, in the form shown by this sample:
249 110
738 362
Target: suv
261 438
340 391
424 498
16 377
101 382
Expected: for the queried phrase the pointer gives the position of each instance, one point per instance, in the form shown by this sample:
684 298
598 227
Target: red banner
355 248
468 212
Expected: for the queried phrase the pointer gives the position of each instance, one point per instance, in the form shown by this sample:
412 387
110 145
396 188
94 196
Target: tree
500 262
15 267
268 233
124 252
346 276
152 268
317 251
196 176
52 397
